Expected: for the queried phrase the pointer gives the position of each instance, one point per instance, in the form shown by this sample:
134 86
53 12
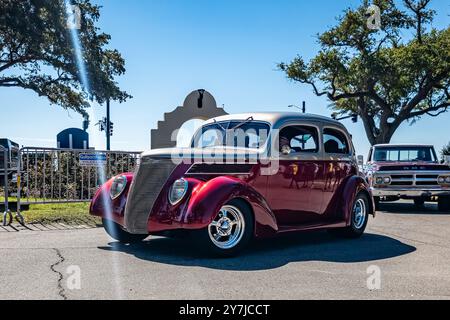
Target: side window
335 141
299 139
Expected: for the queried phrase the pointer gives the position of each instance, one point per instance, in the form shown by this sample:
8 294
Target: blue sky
227 47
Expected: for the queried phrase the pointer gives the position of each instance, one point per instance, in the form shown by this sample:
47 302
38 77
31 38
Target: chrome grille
148 181
414 179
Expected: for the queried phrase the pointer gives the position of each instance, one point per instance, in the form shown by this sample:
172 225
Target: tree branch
428 111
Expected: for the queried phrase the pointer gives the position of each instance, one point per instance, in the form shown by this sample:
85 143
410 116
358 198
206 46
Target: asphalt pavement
404 254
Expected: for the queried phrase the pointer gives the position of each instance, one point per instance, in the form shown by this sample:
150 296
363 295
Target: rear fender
353 187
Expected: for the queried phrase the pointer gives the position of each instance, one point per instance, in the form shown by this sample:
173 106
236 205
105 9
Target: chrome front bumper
409 192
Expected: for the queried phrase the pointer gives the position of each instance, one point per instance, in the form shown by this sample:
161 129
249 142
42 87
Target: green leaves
383 77
37 53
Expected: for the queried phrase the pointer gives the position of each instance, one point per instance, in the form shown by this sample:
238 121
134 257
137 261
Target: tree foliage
389 75
445 151
37 53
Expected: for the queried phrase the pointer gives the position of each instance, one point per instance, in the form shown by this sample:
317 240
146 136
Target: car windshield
418 153
234 133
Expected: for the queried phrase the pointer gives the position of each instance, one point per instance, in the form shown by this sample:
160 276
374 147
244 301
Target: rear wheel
358 220
115 231
230 231
444 204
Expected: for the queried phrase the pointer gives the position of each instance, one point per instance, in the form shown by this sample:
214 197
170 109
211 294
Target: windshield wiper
242 123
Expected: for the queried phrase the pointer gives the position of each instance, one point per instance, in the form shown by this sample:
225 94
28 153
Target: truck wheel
230 231
444 204
358 219
419 202
115 231
377 203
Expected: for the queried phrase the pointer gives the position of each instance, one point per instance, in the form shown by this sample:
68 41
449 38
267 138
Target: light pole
108 126
303 108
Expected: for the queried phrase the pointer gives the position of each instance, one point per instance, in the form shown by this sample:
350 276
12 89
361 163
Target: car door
295 189
338 161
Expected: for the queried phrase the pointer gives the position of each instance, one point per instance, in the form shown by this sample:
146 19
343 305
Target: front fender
355 185
103 206
208 197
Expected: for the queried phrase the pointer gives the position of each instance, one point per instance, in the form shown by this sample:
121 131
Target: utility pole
108 126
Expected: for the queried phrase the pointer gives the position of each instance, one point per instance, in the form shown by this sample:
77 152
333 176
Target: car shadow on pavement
270 253
409 208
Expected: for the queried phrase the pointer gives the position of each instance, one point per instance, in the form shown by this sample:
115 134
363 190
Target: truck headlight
441 179
117 187
383 180
178 191
447 179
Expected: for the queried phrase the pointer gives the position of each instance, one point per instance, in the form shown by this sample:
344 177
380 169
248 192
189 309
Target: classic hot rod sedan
245 176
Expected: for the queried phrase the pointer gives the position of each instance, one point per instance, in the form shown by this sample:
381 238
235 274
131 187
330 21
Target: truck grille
414 179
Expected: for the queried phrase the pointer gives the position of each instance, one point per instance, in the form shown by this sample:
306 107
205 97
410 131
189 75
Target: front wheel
115 231
230 231
444 204
358 219
419 202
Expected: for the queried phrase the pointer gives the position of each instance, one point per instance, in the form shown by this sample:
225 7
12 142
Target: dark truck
12 156
408 171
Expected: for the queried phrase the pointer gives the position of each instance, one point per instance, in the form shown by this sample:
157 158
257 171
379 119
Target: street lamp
303 108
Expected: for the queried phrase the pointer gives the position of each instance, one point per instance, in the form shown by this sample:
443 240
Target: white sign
92 159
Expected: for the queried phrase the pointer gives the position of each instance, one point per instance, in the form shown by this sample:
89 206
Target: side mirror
360 160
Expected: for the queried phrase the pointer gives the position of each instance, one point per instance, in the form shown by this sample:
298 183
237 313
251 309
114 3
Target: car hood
203 153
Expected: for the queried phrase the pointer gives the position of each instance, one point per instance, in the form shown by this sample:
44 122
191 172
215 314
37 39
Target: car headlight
177 191
117 187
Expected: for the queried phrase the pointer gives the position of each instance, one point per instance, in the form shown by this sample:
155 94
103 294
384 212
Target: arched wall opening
186 131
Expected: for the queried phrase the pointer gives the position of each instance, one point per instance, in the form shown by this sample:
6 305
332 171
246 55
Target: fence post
7 212
19 216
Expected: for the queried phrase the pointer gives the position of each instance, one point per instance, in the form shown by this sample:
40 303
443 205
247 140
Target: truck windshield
234 133
409 153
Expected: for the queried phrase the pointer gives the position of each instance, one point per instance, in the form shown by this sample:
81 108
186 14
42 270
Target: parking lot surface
408 248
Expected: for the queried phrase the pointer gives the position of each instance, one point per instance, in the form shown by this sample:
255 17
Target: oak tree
398 71
38 52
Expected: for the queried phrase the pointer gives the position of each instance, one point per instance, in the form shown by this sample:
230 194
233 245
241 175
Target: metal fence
51 175
4 174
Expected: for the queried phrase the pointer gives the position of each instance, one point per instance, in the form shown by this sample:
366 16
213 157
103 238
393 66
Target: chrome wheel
359 213
227 228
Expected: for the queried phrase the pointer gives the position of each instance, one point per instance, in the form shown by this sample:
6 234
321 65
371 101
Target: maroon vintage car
408 171
245 176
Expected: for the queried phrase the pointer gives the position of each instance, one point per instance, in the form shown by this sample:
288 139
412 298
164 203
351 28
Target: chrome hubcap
227 228
359 213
